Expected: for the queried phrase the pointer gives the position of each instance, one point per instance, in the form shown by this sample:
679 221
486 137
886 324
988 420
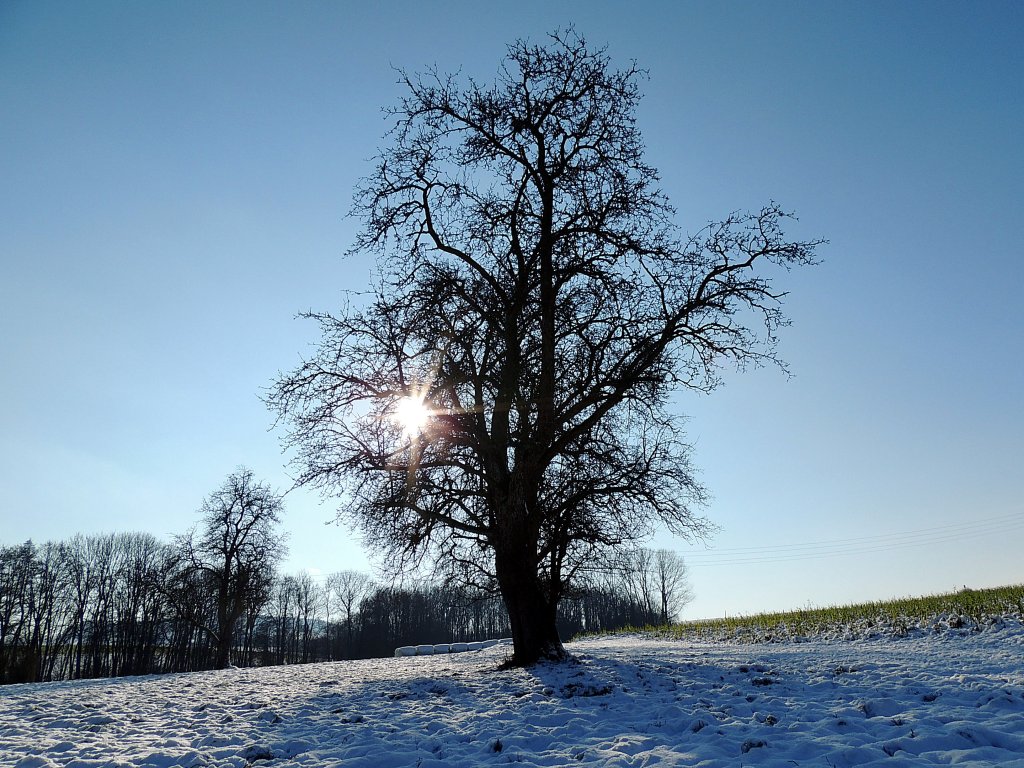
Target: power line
1014 516
857 545
781 553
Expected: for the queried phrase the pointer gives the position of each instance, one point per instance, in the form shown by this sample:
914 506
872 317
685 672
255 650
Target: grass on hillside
966 608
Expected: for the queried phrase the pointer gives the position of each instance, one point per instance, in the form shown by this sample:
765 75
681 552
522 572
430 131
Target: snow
944 698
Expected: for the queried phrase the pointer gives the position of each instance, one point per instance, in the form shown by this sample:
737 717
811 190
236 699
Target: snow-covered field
944 699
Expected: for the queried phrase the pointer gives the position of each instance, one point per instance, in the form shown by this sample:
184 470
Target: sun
412 414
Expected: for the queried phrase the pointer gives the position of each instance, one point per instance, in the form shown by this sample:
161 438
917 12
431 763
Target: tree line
130 604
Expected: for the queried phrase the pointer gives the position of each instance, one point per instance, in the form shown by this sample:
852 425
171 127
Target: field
968 608
944 688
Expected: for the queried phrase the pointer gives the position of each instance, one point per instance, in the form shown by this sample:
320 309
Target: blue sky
176 179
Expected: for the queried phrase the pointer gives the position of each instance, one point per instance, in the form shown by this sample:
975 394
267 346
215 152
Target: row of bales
434 650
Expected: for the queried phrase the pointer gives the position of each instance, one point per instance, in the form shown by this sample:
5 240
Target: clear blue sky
174 179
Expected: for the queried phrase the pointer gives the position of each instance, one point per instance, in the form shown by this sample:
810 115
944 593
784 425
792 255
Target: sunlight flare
412 414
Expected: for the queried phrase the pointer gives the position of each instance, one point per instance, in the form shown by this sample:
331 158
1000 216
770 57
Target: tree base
550 653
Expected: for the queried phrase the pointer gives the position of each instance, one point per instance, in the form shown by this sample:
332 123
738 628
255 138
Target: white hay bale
405 650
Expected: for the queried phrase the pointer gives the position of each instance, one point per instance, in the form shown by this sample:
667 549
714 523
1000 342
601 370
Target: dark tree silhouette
536 297
233 553
348 588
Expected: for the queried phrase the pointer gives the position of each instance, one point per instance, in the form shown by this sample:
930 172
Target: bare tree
349 588
307 603
17 574
282 601
79 556
498 405
635 568
260 594
672 581
235 545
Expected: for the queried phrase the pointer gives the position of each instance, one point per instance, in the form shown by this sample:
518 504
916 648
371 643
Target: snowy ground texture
951 698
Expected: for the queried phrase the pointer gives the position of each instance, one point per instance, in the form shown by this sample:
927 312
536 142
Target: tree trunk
227 619
532 612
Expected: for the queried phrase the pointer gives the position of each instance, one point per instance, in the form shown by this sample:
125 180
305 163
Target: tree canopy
536 295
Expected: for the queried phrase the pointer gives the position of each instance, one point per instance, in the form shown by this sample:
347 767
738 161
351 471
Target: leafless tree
348 589
671 579
536 296
281 607
17 573
80 566
234 547
635 568
307 604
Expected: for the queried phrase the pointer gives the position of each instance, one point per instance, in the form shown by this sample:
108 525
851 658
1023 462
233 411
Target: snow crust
938 699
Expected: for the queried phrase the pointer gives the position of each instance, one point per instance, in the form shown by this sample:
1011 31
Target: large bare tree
498 403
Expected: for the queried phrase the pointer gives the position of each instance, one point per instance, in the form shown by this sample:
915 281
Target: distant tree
499 406
671 580
51 618
17 573
635 568
259 597
307 605
231 552
79 556
348 588
189 593
281 606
